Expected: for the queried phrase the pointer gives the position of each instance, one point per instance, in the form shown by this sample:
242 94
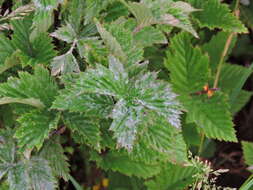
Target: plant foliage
118 83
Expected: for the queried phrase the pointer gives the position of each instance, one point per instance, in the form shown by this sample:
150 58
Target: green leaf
132 97
38 86
212 116
111 42
38 50
29 101
43 17
77 12
122 163
188 65
247 152
34 174
18 178
65 33
42 51
172 177
161 137
189 73
10 61
149 36
53 152
242 99
216 14
171 13
6 48
40 175
7 148
125 123
34 128
231 85
65 63
87 129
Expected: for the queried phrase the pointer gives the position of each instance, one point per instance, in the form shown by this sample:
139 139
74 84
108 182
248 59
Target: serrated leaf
34 174
65 63
171 13
65 33
34 128
37 86
42 51
231 85
172 177
125 123
161 137
122 163
7 147
125 38
189 73
149 36
43 17
38 50
53 152
6 48
88 129
247 152
242 99
212 116
90 104
10 61
216 14
18 178
132 97
77 12
111 42
40 175
188 65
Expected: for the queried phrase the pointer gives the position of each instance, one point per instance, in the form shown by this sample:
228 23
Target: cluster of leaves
83 66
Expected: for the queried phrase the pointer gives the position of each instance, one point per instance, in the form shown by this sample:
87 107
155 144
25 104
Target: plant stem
226 47
201 143
75 183
224 53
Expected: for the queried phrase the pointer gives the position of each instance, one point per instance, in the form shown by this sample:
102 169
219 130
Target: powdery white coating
144 92
245 2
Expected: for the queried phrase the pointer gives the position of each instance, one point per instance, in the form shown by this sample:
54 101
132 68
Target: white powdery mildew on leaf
124 125
118 69
158 96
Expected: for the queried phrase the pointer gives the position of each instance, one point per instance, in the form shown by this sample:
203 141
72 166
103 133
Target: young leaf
65 63
65 33
171 13
149 36
216 14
